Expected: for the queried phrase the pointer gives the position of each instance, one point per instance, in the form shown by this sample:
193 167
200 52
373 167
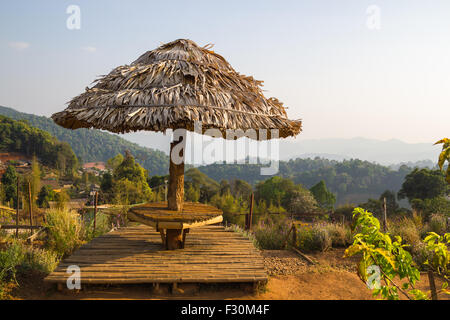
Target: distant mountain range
391 152
388 152
92 145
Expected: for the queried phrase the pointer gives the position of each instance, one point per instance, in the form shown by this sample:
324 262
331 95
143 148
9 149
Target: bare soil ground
291 277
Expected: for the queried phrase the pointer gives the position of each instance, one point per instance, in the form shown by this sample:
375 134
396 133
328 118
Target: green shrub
18 256
270 237
271 231
64 230
315 238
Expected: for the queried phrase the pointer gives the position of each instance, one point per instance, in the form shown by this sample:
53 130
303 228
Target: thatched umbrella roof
172 87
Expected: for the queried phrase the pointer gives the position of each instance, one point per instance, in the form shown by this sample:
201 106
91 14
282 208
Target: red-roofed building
101 166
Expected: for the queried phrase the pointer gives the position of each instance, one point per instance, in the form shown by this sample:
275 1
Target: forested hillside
94 145
18 136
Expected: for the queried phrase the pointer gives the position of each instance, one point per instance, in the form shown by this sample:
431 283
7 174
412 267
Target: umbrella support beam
175 196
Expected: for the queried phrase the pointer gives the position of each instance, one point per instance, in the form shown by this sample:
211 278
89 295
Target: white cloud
19 45
89 49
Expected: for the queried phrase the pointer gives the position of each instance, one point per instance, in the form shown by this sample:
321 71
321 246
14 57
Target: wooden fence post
294 235
17 210
165 191
250 212
30 209
385 227
95 209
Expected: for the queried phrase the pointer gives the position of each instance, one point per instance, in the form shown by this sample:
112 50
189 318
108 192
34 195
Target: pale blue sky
318 57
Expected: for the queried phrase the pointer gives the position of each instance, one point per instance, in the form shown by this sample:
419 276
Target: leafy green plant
445 156
440 259
394 262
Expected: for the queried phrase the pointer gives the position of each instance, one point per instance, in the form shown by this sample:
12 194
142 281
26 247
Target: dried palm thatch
172 87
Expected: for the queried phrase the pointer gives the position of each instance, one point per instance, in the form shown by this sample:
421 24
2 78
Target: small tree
46 194
129 181
423 184
323 196
9 182
62 198
302 201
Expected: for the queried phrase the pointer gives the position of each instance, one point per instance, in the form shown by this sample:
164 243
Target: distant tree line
356 178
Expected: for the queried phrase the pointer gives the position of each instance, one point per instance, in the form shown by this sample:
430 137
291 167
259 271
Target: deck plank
136 255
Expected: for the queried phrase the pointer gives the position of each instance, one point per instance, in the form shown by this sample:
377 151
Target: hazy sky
343 78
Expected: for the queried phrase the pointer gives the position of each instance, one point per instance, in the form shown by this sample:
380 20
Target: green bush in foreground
18 257
393 262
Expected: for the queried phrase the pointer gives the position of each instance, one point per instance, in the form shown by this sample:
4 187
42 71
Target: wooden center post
175 197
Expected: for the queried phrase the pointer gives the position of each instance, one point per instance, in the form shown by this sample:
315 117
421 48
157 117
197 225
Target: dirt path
290 278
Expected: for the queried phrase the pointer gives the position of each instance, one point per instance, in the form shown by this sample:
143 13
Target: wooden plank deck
136 255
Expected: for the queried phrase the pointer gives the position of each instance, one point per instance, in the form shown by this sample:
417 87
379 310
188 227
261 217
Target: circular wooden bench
174 225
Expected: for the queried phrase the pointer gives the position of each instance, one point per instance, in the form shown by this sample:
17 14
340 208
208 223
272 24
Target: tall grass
408 229
64 230
438 223
341 236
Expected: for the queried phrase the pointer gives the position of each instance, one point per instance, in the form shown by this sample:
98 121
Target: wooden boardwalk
136 255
